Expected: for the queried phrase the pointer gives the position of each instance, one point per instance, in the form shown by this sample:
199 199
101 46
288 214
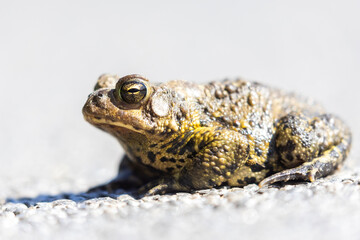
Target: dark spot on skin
295 130
96 101
216 170
164 145
172 150
172 160
211 183
289 157
179 143
226 183
270 168
202 144
182 151
225 120
232 167
255 167
151 131
178 166
248 150
174 141
241 182
153 145
258 151
170 169
288 148
217 131
188 147
290 145
135 127
181 160
250 180
164 159
271 151
236 123
203 122
245 131
151 157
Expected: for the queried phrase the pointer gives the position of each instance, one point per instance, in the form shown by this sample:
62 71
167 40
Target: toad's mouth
110 125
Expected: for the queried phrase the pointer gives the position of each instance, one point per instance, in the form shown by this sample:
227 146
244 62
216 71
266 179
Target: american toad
181 136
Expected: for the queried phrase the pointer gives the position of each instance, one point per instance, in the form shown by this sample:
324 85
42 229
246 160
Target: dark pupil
133 92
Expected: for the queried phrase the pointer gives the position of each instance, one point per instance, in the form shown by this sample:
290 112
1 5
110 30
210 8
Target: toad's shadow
76 197
98 192
84 196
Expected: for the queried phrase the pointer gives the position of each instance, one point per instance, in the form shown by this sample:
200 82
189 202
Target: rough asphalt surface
326 209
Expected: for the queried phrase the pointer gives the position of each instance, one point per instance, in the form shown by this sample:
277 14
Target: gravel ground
326 209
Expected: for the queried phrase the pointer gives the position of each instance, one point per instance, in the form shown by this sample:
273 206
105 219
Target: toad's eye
132 90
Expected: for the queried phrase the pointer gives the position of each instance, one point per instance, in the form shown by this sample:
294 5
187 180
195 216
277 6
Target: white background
51 54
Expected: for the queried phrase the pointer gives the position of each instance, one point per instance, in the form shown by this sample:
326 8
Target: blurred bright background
51 53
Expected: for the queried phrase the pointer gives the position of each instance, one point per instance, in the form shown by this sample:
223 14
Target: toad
182 136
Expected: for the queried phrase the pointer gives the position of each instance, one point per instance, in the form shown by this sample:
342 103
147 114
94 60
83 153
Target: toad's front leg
131 176
211 166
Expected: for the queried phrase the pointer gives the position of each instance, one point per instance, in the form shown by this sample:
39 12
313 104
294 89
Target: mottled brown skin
181 136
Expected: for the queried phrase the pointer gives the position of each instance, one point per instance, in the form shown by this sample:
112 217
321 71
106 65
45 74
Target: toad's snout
97 105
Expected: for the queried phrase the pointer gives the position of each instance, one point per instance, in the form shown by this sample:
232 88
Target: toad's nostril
96 101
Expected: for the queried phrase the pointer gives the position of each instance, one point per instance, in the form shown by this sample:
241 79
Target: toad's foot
162 186
303 172
310 171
